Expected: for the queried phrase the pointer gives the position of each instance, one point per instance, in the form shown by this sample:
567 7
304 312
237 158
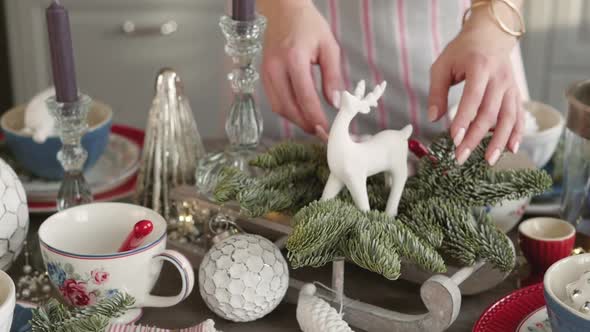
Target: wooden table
398 295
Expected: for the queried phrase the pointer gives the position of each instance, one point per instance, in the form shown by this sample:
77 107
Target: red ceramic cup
544 241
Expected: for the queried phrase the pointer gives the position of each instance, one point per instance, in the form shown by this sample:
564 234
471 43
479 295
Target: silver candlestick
71 125
243 125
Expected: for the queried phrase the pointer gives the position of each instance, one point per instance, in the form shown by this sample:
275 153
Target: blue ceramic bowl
41 159
563 318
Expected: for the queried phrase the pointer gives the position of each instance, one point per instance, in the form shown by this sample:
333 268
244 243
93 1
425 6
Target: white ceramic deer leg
332 187
358 191
399 177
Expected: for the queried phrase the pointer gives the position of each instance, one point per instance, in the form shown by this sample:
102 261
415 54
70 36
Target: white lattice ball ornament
243 277
14 216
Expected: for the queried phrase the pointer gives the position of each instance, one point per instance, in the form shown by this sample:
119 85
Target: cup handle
185 269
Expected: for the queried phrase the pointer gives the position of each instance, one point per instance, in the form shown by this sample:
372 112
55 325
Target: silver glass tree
243 125
71 124
172 146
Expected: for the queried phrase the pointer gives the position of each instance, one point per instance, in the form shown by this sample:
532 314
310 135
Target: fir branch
408 245
305 192
288 173
55 317
513 184
459 238
434 212
494 246
321 224
257 201
316 258
323 173
289 152
369 253
423 224
113 306
231 181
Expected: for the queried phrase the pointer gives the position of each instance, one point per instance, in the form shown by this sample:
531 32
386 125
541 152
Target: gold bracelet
473 6
501 24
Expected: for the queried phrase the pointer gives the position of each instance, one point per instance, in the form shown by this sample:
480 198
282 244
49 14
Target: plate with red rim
113 177
521 310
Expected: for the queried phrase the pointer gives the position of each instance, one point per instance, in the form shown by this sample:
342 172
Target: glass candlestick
243 125
71 125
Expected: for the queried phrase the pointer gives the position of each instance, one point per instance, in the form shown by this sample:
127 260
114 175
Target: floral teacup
79 247
7 301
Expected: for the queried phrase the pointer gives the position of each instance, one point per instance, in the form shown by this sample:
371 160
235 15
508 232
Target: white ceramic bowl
508 213
541 145
563 317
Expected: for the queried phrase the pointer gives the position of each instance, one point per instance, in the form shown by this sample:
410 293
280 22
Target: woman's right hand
298 37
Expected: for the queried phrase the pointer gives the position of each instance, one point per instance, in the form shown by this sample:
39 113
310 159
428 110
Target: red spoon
141 229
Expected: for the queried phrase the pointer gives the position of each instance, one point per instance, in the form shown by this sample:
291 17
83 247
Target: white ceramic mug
7 301
79 247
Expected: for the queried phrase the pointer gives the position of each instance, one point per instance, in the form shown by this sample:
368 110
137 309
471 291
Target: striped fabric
393 40
206 326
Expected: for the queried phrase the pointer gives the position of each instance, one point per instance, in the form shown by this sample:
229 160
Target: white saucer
537 321
119 162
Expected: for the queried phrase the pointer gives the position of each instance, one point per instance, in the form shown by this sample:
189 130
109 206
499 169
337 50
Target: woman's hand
480 56
297 38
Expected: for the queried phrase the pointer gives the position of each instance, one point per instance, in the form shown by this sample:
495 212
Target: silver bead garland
33 286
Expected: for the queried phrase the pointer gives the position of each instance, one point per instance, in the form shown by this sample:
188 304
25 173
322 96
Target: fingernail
459 137
335 99
321 133
494 157
515 147
463 156
432 113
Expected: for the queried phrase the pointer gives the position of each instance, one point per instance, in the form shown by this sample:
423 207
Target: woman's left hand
480 56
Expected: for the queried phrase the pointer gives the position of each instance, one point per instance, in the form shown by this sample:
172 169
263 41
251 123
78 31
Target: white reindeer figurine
351 163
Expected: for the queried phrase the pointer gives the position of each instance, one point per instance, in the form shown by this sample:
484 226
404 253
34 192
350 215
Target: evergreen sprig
289 152
435 216
55 317
368 252
336 227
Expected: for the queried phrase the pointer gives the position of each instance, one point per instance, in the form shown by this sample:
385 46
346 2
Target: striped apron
392 40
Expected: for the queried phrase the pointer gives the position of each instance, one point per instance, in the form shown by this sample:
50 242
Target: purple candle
243 10
62 53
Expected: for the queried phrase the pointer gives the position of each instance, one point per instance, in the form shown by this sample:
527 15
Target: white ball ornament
243 277
14 216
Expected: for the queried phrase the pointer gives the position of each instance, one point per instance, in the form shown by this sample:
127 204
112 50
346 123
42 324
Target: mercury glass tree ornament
172 146
71 125
243 125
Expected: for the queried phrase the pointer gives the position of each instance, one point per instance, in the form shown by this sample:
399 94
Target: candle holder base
212 164
74 190
71 124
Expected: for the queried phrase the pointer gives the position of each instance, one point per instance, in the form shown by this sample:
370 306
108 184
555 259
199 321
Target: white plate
119 161
537 321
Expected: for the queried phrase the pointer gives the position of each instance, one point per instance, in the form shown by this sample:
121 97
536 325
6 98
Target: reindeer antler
372 97
359 91
365 103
